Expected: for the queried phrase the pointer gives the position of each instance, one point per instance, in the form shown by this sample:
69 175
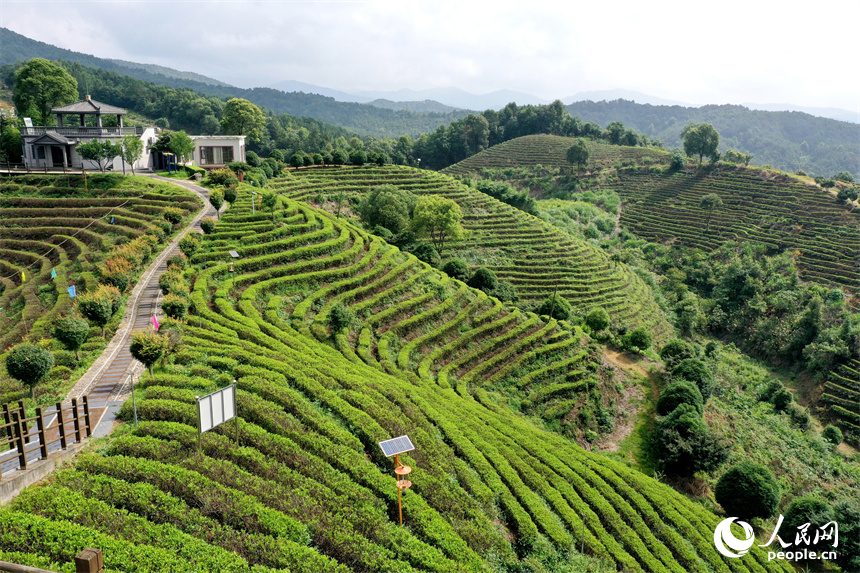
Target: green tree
10 142
710 203
41 85
683 444
242 117
131 148
675 351
577 154
182 145
483 279
29 364
832 434
456 269
807 509
270 202
701 139
640 338
748 490
97 307
695 370
216 199
230 194
387 206
148 347
102 152
439 218
614 132
72 332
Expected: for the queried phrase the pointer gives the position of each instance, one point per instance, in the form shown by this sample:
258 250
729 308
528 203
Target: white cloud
728 52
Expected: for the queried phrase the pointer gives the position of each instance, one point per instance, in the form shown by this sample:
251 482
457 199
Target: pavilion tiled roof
89 106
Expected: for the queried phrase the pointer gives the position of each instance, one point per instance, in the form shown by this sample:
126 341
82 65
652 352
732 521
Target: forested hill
788 140
364 119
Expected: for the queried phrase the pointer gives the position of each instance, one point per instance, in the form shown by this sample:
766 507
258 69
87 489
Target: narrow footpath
108 382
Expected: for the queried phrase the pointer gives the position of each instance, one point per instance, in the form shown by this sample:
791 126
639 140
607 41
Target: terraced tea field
842 394
533 255
307 488
777 212
51 225
551 151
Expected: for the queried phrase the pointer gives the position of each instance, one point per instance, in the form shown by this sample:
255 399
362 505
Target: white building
54 147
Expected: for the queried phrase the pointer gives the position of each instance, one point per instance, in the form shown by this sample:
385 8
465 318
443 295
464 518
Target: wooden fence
29 434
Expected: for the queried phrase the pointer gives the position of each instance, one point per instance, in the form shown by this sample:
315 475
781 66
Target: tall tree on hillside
438 217
182 145
131 148
41 85
242 117
701 139
102 152
577 154
709 203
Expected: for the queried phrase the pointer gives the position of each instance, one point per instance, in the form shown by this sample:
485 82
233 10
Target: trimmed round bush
484 279
640 339
675 351
833 435
72 332
677 393
29 364
456 269
427 253
807 509
683 444
597 319
697 371
748 490
207 224
559 310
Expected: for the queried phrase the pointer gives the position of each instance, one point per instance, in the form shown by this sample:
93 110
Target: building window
39 151
216 155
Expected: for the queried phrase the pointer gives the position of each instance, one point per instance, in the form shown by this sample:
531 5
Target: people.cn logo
726 541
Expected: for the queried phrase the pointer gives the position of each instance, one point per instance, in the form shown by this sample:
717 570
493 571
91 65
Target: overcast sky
804 53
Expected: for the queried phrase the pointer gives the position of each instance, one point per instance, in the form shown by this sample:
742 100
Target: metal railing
79 131
73 422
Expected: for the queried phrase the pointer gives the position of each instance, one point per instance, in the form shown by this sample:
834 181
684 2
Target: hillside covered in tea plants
59 231
301 484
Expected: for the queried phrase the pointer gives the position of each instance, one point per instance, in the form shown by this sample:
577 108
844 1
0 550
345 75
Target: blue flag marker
72 293
111 220
53 273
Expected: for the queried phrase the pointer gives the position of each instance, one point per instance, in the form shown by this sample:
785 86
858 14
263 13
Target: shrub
807 509
639 338
560 309
189 244
684 445
340 317
772 388
427 253
781 399
799 416
847 515
220 176
675 351
29 364
230 193
832 434
677 162
695 370
677 393
207 225
748 490
175 306
456 269
505 292
173 215
252 159
484 279
597 319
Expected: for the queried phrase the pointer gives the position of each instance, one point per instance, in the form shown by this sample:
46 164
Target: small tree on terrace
216 199
710 203
97 307
148 347
387 206
182 145
29 364
72 332
701 139
131 148
577 154
102 152
439 218
270 202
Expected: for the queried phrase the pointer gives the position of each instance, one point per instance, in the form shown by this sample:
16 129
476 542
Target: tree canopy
577 154
438 218
387 206
41 85
701 139
242 117
29 364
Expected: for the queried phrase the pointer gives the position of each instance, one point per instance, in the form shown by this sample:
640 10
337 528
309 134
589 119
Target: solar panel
234 254
396 446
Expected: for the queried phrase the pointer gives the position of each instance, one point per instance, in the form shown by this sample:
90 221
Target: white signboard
216 408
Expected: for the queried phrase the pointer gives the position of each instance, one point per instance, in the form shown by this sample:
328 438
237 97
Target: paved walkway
107 383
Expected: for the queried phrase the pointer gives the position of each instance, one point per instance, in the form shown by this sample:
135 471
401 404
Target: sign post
216 408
